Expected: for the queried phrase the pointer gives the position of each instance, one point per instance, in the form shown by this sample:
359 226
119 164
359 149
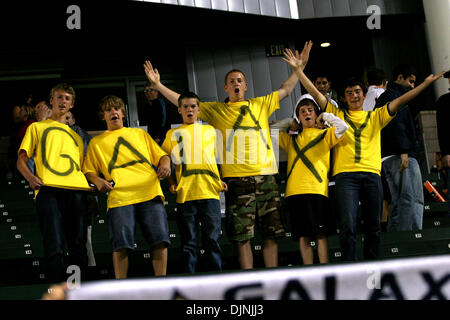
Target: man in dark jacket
442 118
158 114
399 151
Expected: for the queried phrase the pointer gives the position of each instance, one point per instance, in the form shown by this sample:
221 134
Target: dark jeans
352 188
207 212
61 215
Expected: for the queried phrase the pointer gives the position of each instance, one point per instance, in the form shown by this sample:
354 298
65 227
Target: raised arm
296 63
408 96
289 85
154 78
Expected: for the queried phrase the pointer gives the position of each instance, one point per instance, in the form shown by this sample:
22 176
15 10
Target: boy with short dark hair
127 159
197 185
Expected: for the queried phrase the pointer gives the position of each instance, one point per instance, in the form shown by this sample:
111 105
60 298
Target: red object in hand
432 190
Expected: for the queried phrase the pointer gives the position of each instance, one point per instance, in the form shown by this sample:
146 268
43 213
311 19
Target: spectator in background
70 120
399 151
443 128
43 110
376 82
323 84
158 114
23 115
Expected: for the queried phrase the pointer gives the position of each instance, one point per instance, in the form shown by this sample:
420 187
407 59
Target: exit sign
275 49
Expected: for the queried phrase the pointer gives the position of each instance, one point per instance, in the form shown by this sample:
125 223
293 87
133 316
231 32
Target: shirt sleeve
167 144
89 163
29 141
206 112
383 116
156 153
284 140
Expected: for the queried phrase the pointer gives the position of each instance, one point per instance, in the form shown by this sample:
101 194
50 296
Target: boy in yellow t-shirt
131 160
308 166
198 183
357 159
60 186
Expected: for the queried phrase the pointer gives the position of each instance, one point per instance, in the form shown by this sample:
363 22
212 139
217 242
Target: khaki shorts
250 199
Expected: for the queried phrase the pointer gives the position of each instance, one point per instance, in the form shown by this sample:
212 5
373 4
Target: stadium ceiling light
325 44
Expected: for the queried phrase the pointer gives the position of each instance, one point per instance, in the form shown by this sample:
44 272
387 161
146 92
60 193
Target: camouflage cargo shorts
249 200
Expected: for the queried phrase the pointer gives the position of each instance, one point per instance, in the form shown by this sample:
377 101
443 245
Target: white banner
408 278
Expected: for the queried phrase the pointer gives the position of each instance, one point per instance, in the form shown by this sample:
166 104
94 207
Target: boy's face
114 118
61 102
236 86
354 97
307 116
189 110
323 85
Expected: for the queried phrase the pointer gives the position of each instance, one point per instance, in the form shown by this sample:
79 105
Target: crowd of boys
128 164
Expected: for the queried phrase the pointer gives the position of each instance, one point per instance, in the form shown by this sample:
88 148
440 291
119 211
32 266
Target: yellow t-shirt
308 172
245 134
192 150
58 154
360 149
129 157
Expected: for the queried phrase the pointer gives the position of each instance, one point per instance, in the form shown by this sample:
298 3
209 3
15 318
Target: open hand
304 55
294 61
151 73
431 78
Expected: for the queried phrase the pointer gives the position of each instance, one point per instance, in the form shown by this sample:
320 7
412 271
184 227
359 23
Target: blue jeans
62 215
407 195
207 212
352 188
152 218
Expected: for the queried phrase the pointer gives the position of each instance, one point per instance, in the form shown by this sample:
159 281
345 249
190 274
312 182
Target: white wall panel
340 8
303 9
252 6
236 5
189 3
306 9
282 9
268 7
358 7
203 4
219 4
322 8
